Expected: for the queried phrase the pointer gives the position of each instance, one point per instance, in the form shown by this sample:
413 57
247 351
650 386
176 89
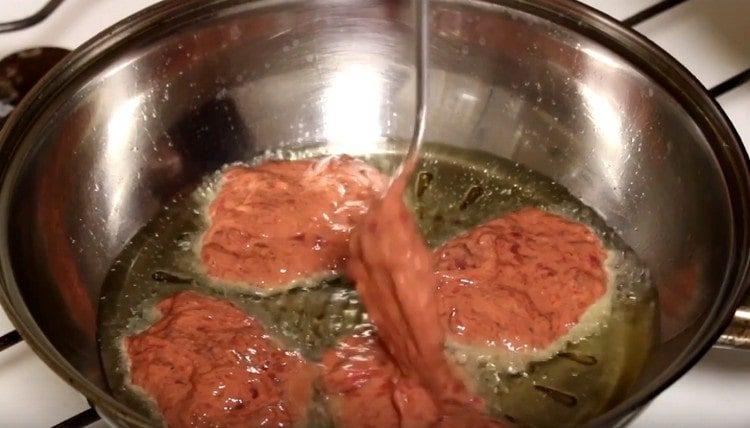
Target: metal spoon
421 20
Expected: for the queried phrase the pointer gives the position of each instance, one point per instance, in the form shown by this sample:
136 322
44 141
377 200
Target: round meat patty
520 284
360 381
206 363
365 389
284 223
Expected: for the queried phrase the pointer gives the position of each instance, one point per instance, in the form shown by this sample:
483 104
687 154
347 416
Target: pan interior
584 380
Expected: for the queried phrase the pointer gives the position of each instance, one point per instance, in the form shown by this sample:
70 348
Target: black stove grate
9 339
651 11
89 416
83 419
722 88
733 82
32 20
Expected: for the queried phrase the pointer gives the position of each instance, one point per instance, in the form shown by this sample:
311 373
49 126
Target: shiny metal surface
422 62
738 333
150 106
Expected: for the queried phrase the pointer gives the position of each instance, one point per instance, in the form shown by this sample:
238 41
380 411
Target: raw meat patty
282 222
520 283
206 363
361 383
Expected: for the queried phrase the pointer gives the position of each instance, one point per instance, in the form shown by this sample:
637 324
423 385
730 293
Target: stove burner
20 71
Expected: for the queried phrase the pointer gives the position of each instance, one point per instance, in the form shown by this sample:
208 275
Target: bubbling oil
452 191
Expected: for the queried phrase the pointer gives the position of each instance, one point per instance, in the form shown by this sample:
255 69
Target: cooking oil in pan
453 190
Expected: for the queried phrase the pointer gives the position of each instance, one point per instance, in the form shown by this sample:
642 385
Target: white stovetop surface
710 37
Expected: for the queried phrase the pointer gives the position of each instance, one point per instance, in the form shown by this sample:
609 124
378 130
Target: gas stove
709 37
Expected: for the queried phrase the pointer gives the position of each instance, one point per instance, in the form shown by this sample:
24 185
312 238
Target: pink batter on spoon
393 271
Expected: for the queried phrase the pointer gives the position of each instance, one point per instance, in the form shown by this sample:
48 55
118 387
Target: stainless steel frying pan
151 105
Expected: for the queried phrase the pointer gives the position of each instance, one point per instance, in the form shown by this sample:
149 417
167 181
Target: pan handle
737 336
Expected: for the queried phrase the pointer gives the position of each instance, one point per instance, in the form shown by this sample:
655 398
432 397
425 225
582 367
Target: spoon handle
422 43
